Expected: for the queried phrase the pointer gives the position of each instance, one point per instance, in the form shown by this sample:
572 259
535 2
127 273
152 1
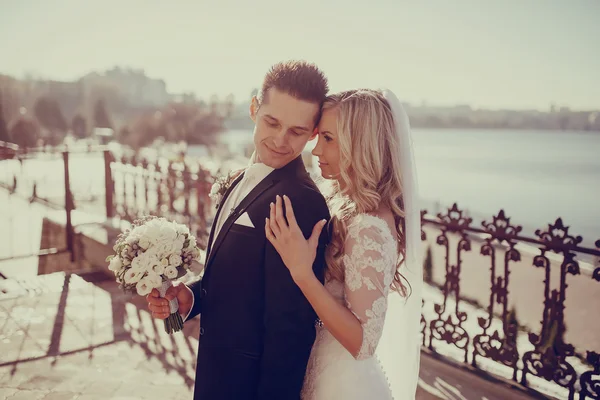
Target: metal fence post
109 184
68 206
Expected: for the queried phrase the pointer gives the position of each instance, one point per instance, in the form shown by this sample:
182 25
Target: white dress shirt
254 174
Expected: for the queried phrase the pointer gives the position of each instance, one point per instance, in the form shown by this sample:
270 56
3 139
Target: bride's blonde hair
370 175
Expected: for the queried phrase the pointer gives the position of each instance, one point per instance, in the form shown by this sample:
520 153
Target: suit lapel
294 168
264 185
236 181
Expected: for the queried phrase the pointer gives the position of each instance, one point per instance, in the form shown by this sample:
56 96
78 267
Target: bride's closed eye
326 136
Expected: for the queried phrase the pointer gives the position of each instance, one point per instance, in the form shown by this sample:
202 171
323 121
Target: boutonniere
220 187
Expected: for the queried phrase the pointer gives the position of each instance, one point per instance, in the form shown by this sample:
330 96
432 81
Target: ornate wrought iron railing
470 312
533 356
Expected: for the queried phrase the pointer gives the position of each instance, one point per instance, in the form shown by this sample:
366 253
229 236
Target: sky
489 54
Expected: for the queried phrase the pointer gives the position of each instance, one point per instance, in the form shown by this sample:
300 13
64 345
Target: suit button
203 293
201 331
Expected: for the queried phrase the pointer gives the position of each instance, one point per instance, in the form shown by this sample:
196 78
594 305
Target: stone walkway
65 338
79 337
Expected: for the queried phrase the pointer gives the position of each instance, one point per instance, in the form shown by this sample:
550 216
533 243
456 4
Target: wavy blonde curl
370 176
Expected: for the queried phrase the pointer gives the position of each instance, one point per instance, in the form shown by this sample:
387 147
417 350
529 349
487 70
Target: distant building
186 98
594 121
133 84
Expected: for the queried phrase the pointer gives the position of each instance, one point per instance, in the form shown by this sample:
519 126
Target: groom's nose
280 138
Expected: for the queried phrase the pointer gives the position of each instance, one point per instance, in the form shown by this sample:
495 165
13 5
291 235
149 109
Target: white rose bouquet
152 254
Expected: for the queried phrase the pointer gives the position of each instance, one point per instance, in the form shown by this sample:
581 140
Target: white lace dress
369 262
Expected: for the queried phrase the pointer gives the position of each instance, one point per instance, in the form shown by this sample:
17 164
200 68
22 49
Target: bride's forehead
328 121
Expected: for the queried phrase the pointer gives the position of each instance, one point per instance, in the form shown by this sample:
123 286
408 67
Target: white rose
158 269
171 272
181 229
132 276
144 243
137 231
175 247
144 257
137 264
154 280
152 233
175 260
162 249
164 262
115 264
178 244
168 232
165 248
151 253
131 239
143 287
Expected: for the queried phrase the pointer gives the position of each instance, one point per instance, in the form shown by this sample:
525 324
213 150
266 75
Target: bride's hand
297 253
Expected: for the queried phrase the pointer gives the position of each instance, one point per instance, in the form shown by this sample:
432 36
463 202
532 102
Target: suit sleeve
289 318
196 288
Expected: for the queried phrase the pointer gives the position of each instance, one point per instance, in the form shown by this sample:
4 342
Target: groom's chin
274 160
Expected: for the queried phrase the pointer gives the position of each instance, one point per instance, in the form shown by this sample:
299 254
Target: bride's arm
339 320
357 326
365 280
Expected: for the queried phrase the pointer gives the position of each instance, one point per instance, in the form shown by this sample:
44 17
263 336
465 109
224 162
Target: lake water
535 176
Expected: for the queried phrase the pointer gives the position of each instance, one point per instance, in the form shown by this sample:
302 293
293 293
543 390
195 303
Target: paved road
64 337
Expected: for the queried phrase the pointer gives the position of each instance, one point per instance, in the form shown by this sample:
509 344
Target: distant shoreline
230 125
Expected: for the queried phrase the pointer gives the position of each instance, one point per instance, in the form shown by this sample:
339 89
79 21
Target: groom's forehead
289 110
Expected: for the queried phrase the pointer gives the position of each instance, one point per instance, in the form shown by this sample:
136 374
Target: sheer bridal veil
399 347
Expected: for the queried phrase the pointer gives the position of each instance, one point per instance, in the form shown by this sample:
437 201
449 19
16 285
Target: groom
257 328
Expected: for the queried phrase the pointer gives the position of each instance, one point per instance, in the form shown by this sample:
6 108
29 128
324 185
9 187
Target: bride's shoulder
366 219
362 223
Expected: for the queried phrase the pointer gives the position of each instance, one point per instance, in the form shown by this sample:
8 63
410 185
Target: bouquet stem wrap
174 322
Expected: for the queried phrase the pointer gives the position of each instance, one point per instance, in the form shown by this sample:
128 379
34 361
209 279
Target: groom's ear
254 105
314 134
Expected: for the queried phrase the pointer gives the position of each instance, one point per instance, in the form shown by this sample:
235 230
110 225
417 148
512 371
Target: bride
364 146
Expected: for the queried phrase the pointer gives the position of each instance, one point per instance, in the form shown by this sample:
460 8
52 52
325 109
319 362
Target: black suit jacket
257 328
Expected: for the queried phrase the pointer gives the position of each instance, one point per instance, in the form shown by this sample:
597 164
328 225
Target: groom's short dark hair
300 79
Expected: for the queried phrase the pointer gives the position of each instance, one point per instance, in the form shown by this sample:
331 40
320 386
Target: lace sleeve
369 263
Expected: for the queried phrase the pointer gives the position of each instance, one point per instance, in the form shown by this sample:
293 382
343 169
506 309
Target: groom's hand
159 306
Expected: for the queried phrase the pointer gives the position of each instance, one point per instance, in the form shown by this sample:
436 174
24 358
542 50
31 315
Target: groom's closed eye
272 122
297 132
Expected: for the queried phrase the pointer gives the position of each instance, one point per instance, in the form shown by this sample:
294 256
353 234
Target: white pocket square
244 220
